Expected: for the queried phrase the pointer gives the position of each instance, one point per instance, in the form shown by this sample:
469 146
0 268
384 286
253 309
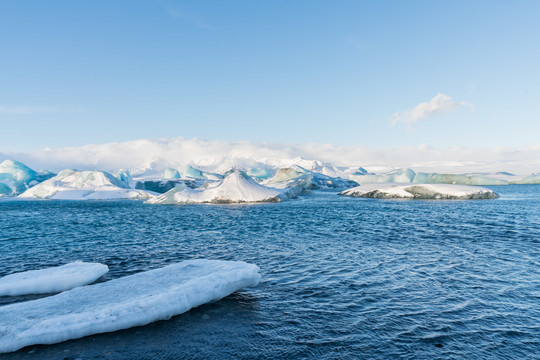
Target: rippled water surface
342 278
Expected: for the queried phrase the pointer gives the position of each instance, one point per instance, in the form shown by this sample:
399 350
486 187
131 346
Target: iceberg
533 179
16 178
162 186
259 174
421 191
394 176
194 173
171 174
297 176
51 280
124 176
237 187
122 303
458 179
84 185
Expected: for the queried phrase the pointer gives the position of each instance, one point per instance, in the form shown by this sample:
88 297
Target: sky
376 74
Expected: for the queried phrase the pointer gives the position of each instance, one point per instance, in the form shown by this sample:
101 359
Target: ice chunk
237 187
162 186
259 174
171 174
395 176
191 172
124 176
15 177
421 191
122 303
297 176
84 185
51 280
458 179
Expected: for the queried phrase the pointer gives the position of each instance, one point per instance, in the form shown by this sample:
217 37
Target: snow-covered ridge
51 280
122 303
237 187
84 185
421 191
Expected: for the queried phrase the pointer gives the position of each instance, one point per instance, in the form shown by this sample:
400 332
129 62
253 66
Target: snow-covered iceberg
458 179
421 191
237 187
16 178
122 303
394 176
84 185
297 176
51 280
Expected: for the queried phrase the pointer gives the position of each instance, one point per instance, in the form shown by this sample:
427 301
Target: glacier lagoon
341 277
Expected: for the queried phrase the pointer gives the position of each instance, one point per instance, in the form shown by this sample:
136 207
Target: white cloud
440 104
222 155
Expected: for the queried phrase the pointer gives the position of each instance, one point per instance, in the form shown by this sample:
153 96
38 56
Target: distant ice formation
16 178
194 173
458 179
51 280
84 185
394 176
237 187
421 191
297 176
122 303
171 173
533 179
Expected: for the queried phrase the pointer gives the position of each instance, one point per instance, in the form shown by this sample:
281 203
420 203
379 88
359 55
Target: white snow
237 187
84 185
51 280
421 191
122 303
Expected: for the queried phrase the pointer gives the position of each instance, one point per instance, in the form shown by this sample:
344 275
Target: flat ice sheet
122 303
51 280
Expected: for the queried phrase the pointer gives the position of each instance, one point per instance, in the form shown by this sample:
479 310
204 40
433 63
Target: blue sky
341 72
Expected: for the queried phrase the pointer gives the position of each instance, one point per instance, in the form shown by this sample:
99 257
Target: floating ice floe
84 185
122 303
297 176
16 178
421 191
237 187
51 280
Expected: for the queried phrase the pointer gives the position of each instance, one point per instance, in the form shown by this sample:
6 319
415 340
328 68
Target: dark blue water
342 278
